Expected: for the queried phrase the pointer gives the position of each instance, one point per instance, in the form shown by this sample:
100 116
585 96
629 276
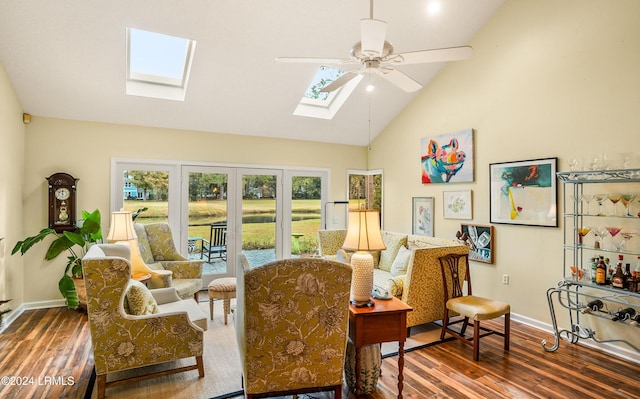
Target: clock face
62 194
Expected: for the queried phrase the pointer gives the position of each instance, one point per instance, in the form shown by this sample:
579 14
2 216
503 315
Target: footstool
225 289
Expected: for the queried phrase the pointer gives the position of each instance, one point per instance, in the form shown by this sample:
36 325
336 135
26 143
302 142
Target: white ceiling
66 59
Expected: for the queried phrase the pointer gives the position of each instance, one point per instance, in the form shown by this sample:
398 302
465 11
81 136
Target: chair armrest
184 269
160 279
165 295
116 250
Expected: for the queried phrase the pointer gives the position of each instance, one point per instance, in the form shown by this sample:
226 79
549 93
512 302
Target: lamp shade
121 227
363 233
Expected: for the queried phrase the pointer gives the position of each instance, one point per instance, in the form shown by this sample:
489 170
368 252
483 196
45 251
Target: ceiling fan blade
373 33
342 80
399 79
437 55
313 60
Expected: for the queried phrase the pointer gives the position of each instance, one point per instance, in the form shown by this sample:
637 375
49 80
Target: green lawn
254 235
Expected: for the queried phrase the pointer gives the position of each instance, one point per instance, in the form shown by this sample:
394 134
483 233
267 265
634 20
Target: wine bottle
593 306
635 321
628 277
624 314
594 267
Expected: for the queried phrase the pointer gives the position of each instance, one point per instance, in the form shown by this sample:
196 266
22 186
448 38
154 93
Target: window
365 190
315 104
158 65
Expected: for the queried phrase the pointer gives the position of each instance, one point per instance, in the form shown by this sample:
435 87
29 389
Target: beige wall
11 172
548 79
85 151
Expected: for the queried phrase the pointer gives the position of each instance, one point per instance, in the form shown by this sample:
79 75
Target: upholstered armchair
291 324
132 326
161 259
330 242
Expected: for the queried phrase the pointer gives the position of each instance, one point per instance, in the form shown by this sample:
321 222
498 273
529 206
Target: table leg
400 368
357 371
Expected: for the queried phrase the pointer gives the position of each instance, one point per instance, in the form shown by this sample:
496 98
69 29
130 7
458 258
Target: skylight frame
327 108
157 86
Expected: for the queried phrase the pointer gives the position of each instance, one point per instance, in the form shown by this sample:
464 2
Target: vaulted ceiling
66 59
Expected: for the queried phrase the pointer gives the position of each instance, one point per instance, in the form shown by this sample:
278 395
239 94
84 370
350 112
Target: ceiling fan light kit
375 54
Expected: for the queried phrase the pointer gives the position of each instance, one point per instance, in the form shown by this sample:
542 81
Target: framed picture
524 192
423 216
447 158
480 241
457 204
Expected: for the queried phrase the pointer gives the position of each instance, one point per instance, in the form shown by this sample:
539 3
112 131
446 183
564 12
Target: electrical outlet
505 279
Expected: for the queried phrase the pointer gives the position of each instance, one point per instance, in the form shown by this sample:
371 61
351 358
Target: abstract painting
447 158
524 192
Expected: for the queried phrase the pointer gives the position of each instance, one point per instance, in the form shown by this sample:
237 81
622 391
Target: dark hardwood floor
55 344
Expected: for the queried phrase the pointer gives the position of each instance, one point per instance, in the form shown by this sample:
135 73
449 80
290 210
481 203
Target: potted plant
87 231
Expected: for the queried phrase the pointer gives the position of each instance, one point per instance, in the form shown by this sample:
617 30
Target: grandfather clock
62 202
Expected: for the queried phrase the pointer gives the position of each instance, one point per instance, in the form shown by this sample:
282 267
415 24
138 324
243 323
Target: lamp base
362 304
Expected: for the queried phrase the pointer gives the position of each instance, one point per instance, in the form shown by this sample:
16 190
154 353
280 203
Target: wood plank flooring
55 343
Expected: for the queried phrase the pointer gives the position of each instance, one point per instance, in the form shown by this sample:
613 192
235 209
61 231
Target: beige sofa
408 269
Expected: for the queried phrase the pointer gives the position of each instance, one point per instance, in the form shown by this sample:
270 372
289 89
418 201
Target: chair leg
337 392
465 323
200 364
102 382
445 322
227 309
476 340
211 308
507 331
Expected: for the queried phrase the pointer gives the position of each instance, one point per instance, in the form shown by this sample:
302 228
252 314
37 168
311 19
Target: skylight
315 104
158 65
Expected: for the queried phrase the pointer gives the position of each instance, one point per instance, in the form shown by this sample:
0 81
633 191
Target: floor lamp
363 235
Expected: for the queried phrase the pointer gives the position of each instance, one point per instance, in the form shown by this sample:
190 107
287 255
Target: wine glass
614 198
600 232
626 237
614 232
627 200
582 232
588 198
600 199
577 200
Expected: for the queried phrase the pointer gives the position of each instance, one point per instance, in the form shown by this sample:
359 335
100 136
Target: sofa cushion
393 242
400 263
138 300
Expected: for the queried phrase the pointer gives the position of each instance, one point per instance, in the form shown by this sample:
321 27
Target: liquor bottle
601 272
617 280
636 271
624 314
594 266
593 306
628 277
609 271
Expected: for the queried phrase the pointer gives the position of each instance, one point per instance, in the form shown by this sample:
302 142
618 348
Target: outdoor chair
217 243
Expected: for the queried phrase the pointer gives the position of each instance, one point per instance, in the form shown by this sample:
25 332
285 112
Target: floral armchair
167 267
291 325
132 326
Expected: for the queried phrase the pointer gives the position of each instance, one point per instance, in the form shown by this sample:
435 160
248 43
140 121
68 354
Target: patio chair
217 243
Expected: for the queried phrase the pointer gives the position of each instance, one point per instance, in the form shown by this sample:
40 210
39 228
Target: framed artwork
524 192
480 241
423 216
457 204
447 158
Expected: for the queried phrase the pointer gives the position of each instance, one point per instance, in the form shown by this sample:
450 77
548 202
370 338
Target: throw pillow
393 242
138 299
400 264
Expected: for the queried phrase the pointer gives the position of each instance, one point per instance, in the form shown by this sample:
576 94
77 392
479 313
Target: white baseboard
618 351
10 317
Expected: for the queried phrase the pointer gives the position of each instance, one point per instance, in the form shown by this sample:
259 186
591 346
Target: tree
155 185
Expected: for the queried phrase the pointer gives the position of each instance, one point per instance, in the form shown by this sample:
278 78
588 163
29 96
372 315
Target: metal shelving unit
573 294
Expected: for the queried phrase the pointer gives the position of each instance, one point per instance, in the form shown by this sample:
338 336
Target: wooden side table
384 322
141 277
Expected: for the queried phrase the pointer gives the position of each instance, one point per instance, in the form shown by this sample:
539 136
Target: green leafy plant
88 231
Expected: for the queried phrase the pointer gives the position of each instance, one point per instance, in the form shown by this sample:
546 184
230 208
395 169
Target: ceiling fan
375 55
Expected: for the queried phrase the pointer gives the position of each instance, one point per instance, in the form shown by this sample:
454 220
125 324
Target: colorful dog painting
447 158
